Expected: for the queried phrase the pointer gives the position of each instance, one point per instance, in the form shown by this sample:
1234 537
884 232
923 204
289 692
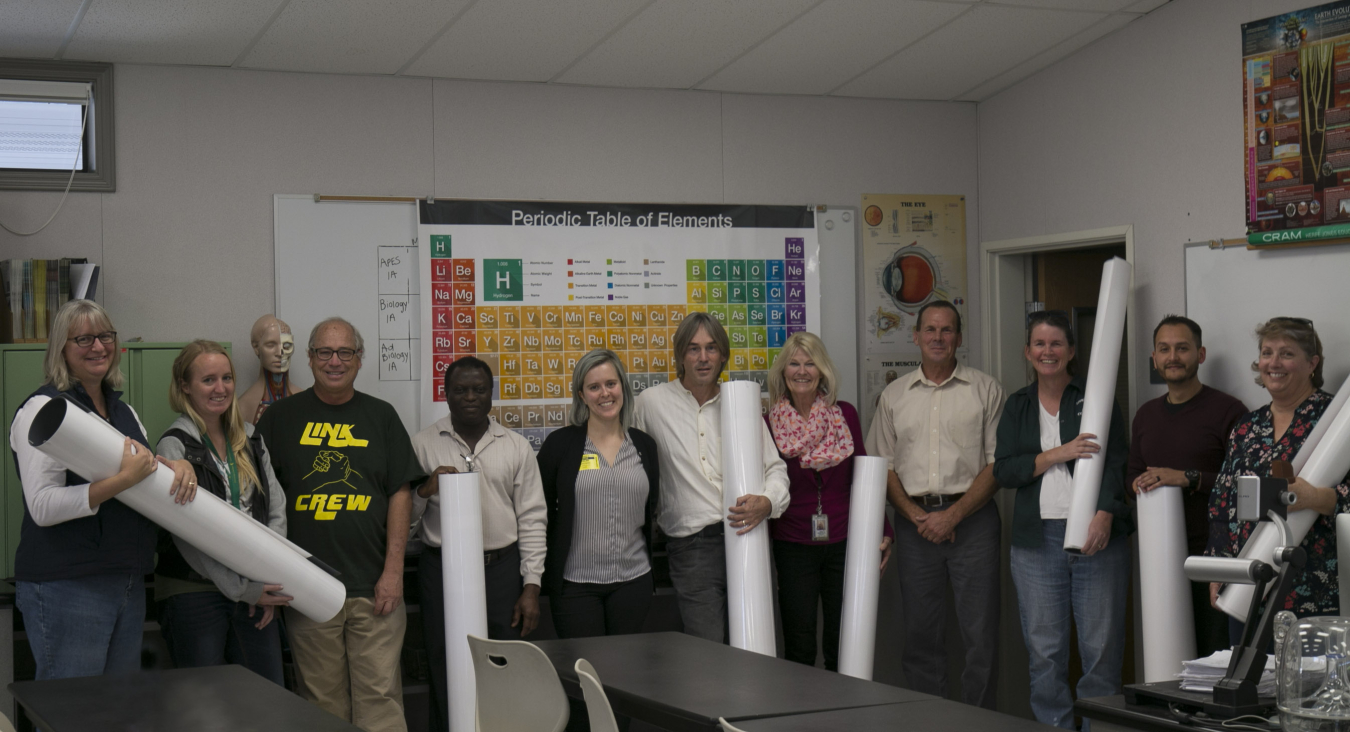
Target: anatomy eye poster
913 252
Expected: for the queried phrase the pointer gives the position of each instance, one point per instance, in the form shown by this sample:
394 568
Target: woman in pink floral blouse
817 435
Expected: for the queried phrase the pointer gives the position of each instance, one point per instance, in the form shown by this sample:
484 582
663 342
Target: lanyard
232 473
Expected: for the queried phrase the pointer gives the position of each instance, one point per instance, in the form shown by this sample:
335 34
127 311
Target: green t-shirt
338 466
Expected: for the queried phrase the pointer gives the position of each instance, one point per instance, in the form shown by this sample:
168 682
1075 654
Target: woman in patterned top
817 436
1290 368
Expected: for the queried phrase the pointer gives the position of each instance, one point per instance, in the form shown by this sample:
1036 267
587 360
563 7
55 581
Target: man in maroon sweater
1180 439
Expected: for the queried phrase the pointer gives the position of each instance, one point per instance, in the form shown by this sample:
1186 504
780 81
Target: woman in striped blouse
601 486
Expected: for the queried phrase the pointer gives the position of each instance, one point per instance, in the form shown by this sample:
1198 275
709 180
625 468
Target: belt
488 557
931 499
495 554
710 530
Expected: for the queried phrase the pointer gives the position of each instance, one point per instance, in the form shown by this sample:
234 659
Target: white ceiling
963 50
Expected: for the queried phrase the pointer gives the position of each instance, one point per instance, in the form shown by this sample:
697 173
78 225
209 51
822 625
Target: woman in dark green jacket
1038 444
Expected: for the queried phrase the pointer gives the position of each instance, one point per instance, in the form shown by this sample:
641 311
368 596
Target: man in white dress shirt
514 516
685 419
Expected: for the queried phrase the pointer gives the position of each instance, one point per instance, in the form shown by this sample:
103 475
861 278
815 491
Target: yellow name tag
590 461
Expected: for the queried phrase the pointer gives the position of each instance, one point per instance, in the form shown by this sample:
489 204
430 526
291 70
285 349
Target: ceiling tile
350 36
521 40
966 52
1097 6
1106 26
202 32
33 29
677 43
831 44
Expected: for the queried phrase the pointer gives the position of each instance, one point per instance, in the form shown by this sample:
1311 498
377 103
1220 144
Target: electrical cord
74 166
1204 721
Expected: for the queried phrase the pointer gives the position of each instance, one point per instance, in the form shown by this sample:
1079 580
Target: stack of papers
1203 673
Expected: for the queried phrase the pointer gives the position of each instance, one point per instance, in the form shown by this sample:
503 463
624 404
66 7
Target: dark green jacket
1019 442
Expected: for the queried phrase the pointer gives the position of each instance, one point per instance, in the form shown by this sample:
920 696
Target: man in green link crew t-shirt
345 462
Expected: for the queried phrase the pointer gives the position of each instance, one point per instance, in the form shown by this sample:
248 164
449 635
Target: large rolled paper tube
1320 429
90 447
1098 398
862 567
1343 559
1323 464
1164 591
465 591
749 584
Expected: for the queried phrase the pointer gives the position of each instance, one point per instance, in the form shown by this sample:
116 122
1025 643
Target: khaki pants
349 666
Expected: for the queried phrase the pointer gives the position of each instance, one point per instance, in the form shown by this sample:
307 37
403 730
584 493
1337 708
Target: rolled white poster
1343 559
1098 398
749 584
1323 463
465 592
91 448
1164 591
862 567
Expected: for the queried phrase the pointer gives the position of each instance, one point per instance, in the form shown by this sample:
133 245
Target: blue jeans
210 629
84 627
698 570
1054 587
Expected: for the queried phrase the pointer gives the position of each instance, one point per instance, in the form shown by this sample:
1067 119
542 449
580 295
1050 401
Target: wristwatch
1192 479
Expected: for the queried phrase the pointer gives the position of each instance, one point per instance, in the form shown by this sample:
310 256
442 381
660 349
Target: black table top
1116 710
681 682
936 715
201 699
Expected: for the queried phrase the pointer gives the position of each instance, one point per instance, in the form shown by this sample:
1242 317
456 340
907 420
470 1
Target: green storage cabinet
148 368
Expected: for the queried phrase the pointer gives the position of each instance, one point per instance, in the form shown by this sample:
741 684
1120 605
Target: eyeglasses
107 338
1300 321
343 354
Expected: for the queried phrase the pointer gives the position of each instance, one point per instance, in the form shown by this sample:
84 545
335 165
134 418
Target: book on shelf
35 289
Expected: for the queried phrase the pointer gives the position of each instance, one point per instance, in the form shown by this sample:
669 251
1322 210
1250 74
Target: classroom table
682 683
1114 714
933 715
200 699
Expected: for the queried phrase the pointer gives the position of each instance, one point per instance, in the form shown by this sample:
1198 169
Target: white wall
1143 127
186 240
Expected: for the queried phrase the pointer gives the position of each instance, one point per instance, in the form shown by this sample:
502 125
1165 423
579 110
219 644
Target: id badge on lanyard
820 521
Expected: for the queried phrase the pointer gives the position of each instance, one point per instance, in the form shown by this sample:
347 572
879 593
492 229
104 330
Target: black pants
503 584
809 574
584 610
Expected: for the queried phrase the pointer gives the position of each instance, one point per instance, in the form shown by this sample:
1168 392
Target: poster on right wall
1296 125
913 252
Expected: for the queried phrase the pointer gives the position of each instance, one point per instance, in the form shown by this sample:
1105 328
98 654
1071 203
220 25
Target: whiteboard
328 262
1231 291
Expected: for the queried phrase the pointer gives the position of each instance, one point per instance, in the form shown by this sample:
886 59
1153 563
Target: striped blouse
607 541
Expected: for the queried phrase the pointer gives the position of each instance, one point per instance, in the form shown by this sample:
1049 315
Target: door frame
991 285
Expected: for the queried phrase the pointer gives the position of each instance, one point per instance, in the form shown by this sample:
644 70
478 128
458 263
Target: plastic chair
597 704
728 726
517 687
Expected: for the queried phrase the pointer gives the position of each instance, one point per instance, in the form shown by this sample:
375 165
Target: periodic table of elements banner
531 286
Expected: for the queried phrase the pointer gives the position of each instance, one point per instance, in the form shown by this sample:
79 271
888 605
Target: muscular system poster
1296 125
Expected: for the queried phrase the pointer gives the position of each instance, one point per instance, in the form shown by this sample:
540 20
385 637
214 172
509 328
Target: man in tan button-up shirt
514 517
937 426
